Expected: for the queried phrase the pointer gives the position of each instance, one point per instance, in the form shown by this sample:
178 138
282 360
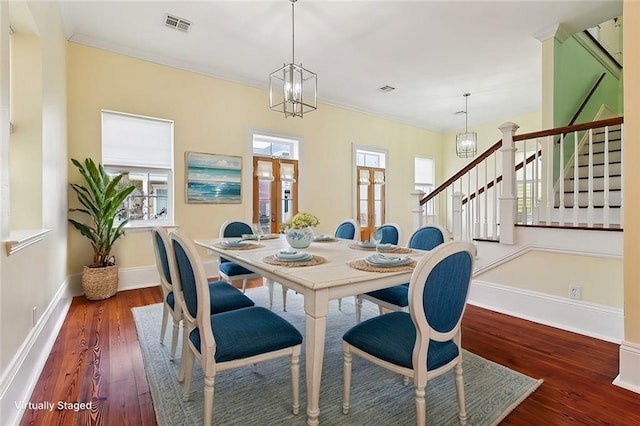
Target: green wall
575 72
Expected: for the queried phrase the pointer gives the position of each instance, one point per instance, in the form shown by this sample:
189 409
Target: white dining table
318 284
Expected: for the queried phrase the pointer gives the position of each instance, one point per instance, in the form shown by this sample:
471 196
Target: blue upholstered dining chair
347 230
228 270
390 233
425 342
229 339
396 298
226 296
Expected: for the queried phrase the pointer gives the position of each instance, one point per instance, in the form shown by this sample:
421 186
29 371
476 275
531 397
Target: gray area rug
262 396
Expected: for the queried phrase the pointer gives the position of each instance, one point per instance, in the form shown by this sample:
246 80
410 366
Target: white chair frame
208 345
424 333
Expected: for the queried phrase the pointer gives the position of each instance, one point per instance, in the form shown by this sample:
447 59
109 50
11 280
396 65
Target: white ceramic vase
299 238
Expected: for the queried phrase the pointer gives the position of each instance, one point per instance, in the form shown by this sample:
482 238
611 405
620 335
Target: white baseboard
589 319
138 277
21 376
629 377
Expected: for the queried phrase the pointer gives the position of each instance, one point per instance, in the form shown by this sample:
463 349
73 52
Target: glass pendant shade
466 144
293 90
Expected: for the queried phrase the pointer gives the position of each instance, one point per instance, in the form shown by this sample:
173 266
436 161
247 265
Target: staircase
512 184
596 204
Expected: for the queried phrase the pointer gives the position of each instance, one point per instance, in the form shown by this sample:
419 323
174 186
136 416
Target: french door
371 199
275 192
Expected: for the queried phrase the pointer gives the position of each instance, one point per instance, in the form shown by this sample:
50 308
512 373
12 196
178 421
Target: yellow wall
214 116
631 195
34 276
600 278
488 134
26 140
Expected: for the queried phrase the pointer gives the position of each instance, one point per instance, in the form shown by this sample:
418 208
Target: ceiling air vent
177 23
386 89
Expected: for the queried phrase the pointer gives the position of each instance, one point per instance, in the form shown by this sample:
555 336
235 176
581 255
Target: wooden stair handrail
539 134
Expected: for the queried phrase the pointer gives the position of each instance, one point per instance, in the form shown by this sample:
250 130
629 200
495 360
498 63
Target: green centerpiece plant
298 229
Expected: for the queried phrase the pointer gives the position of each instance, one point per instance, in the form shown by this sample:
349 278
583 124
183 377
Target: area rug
262 395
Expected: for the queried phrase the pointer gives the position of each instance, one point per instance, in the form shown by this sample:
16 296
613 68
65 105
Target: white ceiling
430 51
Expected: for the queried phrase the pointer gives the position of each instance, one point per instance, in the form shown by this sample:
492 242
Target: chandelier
467 142
293 90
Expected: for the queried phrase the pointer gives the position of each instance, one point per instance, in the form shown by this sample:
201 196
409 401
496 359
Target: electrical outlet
575 292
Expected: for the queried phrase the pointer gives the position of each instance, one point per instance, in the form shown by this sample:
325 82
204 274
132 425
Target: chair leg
284 297
358 308
462 411
244 285
340 304
208 399
174 339
405 380
183 355
421 407
188 374
270 287
295 381
346 391
165 315
380 310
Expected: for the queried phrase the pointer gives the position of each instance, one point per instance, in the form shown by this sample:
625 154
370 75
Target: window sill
22 238
129 228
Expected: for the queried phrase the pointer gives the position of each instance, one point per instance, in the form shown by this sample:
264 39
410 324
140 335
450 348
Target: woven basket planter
100 283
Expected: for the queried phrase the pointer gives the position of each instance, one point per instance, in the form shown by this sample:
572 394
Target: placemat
315 260
398 250
248 246
362 265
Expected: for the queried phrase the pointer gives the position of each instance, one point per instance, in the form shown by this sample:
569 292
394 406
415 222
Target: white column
508 200
418 210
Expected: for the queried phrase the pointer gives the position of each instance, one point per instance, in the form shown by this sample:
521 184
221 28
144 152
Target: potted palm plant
101 198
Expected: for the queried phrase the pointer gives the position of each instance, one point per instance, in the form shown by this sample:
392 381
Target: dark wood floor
97 358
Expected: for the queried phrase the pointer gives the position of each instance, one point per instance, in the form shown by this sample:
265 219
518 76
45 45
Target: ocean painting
213 179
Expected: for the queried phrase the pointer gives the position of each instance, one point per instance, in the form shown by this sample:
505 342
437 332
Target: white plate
367 244
298 257
228 243
323 237
387 261
249 237
386 247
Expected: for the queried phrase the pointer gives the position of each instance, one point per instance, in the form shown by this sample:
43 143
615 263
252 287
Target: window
424 178
141 148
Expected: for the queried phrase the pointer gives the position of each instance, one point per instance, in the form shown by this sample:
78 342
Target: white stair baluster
494 232
561 183
576 180
590 211
605 206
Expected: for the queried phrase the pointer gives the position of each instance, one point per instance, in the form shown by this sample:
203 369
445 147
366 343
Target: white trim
589 319
596 52
24 238
21 376
629 376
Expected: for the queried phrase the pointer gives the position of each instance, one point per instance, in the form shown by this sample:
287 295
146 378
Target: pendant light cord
293 32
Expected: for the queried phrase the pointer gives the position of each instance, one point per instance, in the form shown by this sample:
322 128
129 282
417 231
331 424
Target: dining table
335 268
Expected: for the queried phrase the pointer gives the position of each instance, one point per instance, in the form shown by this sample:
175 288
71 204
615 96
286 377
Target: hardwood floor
97 358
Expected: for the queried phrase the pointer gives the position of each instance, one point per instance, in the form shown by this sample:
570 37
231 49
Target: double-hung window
141 148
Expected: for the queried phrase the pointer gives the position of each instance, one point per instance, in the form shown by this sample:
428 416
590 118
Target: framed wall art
213 178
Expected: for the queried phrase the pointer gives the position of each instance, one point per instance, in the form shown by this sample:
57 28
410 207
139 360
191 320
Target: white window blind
136 141
424 170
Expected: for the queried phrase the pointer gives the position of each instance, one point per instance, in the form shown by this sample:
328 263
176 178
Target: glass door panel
371 199
275 192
